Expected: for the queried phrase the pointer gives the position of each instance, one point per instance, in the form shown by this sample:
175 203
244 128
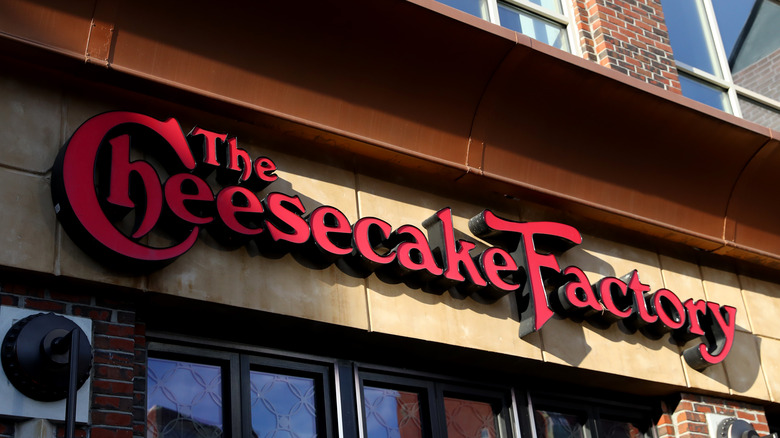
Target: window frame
342 381
434 389
726 83
594 410
565 18
229 364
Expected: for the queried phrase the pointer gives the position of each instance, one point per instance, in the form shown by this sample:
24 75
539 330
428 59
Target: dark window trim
228 361
343 379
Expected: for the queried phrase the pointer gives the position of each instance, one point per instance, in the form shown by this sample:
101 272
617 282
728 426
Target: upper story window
728 54
543 20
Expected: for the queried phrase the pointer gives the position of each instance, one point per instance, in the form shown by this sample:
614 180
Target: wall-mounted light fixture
47 358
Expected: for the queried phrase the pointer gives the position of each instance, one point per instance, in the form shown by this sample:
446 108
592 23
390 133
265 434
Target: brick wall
763 77
688 418
118 371
628 36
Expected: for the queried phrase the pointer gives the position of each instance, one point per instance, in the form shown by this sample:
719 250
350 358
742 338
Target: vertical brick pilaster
688 419
628 36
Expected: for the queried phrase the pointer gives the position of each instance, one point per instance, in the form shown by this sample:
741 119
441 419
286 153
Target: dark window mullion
592 429
437 413
345 385
245 395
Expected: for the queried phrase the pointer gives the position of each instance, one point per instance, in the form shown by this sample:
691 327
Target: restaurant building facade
391 218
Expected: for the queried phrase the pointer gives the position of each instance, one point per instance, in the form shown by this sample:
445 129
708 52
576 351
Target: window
404 407
199 393
210 393
728 55
543 20
574 417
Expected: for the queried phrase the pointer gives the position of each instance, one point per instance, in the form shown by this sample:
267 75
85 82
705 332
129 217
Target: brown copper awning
443 92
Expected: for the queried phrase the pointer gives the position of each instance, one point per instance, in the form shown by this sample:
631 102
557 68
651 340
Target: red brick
114 373
762 429
121 419
112 343
49 306
725 411
685 406
693 427
109 387
110 329
92 313
9 300
112 403
113 357
70 298
749 416
101 432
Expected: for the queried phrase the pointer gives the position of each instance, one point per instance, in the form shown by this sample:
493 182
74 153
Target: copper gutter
445 93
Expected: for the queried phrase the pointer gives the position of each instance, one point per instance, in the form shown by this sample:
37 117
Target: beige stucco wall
37 116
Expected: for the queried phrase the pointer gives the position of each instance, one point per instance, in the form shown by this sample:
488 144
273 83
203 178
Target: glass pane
732 17
391 413
535 27
557 425
618 429
283 406
690 35
754 56
469 419
704 93
477 8
183 399
553 5
759 114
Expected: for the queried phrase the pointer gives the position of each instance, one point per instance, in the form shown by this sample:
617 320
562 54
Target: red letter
677 318
576 296
538 312
415 255
723 328
119 193
607 287
325 220
694 309
176 197
454 254
207 152
365 250
265 168
640 303
296 229
236 155
77 203
494 261
227 208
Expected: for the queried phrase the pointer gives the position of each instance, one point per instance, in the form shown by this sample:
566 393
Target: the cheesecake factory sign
110 198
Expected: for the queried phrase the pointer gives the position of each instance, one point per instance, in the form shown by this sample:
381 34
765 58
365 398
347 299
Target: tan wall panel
612 350
400 310
769 349
744 369
28 222
244 278
30 115
723 287
684 279
762 300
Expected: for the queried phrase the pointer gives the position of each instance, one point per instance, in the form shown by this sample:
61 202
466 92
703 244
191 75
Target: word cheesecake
136 192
